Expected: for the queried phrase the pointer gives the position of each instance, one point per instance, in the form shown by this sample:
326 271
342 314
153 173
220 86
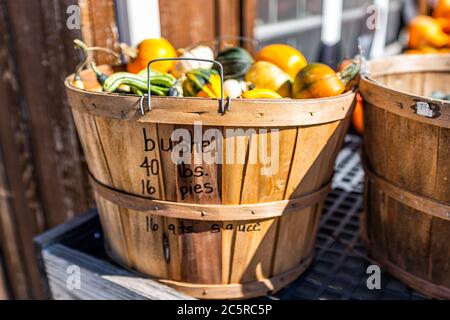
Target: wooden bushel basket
212 231
407 161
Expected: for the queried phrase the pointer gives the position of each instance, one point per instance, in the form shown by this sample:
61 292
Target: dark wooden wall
43 178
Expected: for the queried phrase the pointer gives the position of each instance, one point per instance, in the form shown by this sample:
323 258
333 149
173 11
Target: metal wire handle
221 101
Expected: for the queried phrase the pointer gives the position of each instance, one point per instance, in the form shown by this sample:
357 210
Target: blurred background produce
430 33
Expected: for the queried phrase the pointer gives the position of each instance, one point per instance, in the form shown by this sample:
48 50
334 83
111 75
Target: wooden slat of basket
427 287
168 170
252 289
92 146
442 180
413 200
439 252
203 244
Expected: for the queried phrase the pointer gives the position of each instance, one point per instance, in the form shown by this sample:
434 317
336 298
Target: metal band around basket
209 212
241 290
411 199
381 257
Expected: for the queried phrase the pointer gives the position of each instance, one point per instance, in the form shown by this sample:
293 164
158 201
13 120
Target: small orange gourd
358 117
151 49
442 9
318 80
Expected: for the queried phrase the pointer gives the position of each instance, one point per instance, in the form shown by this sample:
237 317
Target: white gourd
200 52
233 88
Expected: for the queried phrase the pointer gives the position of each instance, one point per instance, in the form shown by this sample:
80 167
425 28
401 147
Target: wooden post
3 287
44 179
98 26
21 214
183 24
248 17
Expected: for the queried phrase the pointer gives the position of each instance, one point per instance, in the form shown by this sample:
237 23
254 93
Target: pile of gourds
276 71
430 34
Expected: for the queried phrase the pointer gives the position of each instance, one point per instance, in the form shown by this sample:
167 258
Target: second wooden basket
407 165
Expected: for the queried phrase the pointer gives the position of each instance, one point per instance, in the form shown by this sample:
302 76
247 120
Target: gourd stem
101 78
87 52
350 71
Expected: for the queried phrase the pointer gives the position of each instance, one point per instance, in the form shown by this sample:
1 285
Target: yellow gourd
258 93
287 58
266 75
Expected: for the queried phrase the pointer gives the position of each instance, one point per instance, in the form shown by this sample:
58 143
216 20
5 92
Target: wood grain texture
410 244
249 15
10 240
101 280
98 21
4 294
21 214
201 258
193 24
56 152
225 248
217 19
44 165
228 21
407 189
428 288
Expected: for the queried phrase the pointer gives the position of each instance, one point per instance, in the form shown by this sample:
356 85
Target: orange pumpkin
426 31
285 57
442 9
444 23
151 49
358 118
318 80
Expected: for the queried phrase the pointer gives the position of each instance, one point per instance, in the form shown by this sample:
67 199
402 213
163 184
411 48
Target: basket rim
439 62
187 110
68 85
402 102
